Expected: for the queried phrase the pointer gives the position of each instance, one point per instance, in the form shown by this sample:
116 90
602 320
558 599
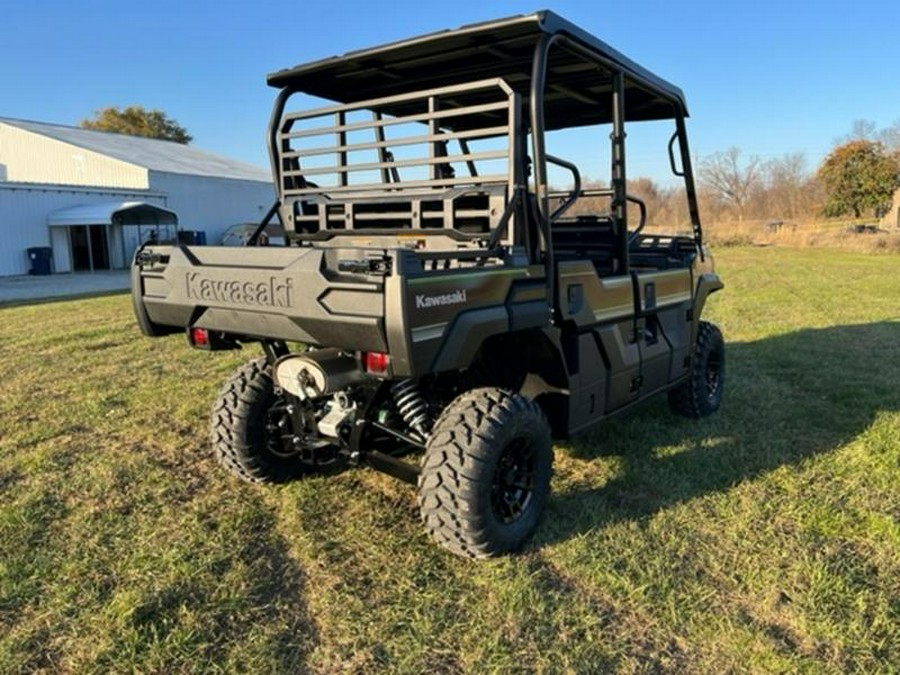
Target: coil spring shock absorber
412 406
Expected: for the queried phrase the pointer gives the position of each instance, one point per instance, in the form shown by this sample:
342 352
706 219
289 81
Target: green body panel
587 299
633 332
450 315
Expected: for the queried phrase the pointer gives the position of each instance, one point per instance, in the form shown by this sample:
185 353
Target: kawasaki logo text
274 292
427 301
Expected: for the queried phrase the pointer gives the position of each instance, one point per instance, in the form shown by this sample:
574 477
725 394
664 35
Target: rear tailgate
293 294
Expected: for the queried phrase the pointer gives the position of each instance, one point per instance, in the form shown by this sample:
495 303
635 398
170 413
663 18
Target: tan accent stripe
425 333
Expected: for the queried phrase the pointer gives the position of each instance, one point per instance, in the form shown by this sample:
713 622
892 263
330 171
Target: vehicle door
662 326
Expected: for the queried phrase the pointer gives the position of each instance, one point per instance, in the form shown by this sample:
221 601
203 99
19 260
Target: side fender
707 284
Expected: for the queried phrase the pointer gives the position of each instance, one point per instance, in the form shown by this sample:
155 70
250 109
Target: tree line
857 179
135 120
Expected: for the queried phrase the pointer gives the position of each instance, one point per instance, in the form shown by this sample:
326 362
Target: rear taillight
211 341
376 363
199 337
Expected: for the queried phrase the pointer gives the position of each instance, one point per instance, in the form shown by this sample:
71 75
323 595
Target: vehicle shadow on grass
788 398
276 594
242 599
217 611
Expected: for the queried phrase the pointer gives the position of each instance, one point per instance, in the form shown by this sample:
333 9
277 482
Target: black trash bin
41 258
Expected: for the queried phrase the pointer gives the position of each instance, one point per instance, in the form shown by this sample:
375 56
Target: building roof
107 213
150 153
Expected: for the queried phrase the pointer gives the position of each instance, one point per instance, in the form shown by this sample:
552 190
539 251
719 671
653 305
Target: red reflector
376 362
199 337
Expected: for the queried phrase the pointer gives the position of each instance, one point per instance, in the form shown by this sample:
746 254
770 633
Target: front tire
701 394
486 473
242 437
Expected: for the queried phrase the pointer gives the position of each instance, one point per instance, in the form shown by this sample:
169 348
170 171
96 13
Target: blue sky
770 77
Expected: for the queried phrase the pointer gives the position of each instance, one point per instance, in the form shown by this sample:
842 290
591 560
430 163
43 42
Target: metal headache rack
443 159
436 134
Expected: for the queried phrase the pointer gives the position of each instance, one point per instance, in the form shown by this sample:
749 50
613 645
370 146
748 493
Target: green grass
763 539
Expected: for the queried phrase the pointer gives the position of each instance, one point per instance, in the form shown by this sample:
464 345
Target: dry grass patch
848 236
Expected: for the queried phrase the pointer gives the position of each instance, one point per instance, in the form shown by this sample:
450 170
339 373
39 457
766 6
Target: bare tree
656 198
786 187
890 137
732 180
664 204
861 130
867 130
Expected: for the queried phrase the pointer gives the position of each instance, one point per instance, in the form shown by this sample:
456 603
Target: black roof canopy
579 71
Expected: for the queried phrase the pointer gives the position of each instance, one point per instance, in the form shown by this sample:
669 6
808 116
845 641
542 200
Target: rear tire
486 473
242 440
701 394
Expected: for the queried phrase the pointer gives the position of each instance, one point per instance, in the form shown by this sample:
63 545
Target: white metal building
93 196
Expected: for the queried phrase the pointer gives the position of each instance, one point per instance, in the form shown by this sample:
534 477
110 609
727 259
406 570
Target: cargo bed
292 294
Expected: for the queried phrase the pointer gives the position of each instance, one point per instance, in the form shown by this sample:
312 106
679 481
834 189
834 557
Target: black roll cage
562 37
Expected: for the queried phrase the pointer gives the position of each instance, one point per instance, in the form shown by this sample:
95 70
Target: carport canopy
113 213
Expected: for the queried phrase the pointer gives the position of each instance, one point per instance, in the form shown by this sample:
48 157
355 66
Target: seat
586 237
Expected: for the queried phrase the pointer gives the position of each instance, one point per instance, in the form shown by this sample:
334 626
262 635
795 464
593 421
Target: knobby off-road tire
486 473
701 394
240 438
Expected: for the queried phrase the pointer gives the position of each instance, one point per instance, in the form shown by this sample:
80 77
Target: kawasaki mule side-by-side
439 313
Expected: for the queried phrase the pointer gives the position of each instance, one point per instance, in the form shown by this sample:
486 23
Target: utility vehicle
436 297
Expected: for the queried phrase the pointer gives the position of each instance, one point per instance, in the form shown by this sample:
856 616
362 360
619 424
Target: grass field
764 539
